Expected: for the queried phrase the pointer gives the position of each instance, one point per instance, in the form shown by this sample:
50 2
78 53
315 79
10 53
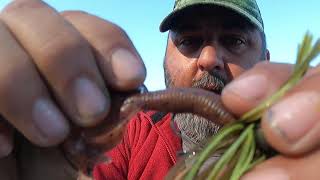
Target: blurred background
286 21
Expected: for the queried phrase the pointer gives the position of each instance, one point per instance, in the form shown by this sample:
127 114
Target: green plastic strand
244 156
249 160
304 48
226 157
213 144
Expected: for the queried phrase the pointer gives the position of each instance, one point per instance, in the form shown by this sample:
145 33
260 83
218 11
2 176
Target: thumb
292 125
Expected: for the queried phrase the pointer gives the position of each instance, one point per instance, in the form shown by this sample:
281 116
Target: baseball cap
246 8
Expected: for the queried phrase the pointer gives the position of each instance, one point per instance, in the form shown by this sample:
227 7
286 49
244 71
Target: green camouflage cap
246 8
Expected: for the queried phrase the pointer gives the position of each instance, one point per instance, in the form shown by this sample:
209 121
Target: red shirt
147 151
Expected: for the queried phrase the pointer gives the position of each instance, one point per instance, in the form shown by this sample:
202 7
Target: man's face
207 49
210 42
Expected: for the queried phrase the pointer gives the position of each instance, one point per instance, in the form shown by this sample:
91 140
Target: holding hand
290 126
57 68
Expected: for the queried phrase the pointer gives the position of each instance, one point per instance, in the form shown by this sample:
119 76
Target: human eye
234 43
189 44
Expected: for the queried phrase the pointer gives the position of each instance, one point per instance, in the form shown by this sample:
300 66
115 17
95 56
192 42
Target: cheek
234 70
182 71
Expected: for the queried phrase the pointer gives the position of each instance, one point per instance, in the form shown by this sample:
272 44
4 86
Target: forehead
199 17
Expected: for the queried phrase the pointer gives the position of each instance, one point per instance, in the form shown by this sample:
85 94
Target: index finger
120 63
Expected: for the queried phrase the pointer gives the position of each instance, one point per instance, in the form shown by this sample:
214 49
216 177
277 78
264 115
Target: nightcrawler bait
180 100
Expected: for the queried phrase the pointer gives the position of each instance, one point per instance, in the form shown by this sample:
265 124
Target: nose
209 59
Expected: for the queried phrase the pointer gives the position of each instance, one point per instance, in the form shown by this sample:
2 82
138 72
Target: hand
56 68
291 126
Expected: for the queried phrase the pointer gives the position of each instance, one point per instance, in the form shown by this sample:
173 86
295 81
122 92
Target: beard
194 129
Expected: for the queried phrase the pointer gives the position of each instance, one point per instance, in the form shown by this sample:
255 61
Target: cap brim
168 21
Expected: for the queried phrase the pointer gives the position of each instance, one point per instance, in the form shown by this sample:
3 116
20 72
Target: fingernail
6 146
90 100
267 174
50 121
126 66
289 118
251 87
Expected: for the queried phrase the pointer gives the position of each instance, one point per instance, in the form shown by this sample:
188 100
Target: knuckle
109 26
68 13
103 28
116 37
22 5
60 45
116 30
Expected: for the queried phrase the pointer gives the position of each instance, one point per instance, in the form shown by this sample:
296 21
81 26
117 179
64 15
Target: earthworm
180 100
85 147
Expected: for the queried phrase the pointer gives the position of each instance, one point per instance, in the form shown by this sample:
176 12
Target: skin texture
36 39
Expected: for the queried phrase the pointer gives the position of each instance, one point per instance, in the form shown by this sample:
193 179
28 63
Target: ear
267 55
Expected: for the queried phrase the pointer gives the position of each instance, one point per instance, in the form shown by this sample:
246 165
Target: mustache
212 81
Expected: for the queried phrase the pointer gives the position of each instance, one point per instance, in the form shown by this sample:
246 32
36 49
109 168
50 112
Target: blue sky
286 21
